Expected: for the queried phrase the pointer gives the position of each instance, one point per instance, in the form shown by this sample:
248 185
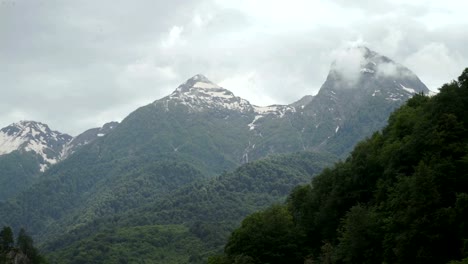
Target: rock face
87 137
16 256
36 137
356 99
199 94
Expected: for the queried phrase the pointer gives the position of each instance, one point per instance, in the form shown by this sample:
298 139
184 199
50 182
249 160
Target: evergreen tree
6 239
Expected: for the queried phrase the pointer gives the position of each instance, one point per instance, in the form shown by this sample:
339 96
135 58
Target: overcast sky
78 64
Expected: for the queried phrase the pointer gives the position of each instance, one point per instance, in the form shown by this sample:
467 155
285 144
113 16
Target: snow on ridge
32 136
205 85
278 110
206 95
266 109
9 144
409 90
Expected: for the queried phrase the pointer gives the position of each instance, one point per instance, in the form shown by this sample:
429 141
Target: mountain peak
33 136
199 93
198 81
359 68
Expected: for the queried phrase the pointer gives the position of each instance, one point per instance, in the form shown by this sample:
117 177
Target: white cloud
348 62
173 37
248 85
89 60
387 69
434 60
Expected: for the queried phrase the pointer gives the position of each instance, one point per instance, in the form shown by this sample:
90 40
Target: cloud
348 63
173 38
387 69
435 59
74 64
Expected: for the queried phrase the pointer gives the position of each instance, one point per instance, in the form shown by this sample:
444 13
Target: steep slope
27 149
18 171
400 197
350 105
206 211
87 137
31 136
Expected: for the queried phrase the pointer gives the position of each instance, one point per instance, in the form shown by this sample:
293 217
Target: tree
25 244
265 237
6 239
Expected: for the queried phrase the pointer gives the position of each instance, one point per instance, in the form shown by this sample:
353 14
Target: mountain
194 220
31 136
29 148
200 94
350 105
195 134
400 197
87 137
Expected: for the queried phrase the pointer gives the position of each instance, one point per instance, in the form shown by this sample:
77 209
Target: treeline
400 197
23 251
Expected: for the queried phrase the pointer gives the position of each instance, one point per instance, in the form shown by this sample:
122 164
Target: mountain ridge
198 132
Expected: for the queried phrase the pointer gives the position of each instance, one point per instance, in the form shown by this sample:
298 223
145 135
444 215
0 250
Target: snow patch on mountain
409 90
205 85
278 110
199 93
87 137
252 124
31 136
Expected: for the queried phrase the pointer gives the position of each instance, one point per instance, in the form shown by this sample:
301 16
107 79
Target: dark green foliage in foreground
271 235
21 252
401 196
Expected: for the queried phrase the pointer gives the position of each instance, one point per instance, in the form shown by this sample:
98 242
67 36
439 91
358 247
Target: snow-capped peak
199 93
197 81
36 137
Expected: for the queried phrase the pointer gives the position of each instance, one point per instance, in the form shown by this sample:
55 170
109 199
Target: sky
75 65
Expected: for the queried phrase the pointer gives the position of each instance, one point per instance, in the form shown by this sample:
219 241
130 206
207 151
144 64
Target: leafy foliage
23 252
400 197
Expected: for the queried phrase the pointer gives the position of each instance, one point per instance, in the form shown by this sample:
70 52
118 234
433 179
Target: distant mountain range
29 148
199 131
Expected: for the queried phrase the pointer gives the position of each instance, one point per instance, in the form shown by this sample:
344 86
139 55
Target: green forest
191 223
400 197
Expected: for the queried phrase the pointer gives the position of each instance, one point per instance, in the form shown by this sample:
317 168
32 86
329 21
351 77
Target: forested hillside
400 197
190 223
19 171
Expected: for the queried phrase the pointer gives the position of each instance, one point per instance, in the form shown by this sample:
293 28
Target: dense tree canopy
400 197
22 252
